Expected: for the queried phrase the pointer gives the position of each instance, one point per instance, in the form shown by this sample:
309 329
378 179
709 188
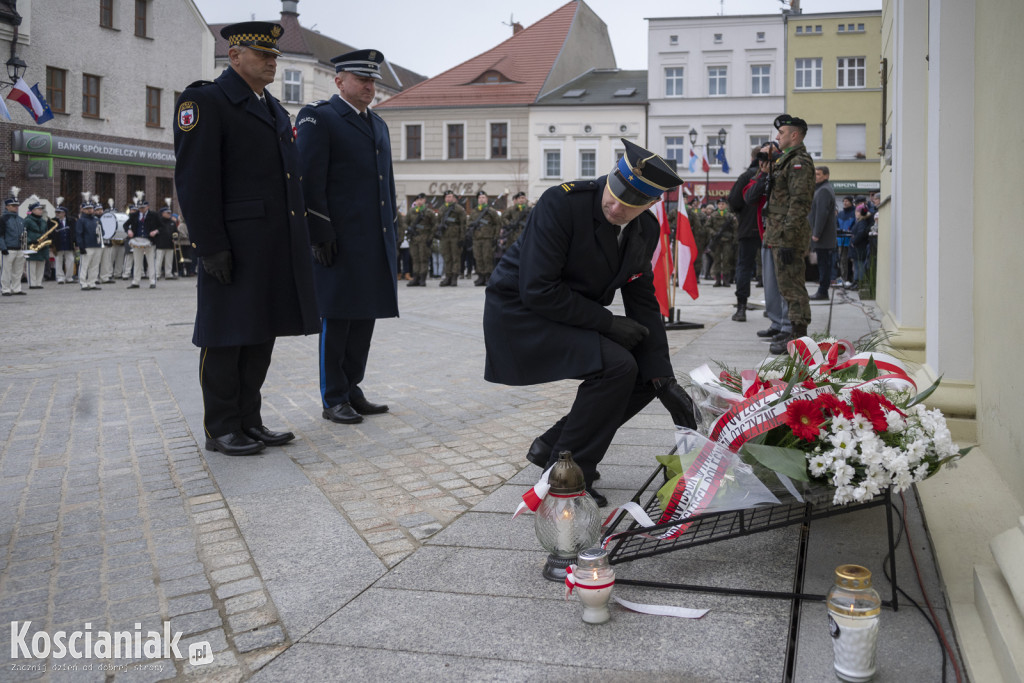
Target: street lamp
15 67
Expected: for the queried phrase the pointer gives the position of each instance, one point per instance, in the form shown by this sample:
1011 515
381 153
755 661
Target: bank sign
39 144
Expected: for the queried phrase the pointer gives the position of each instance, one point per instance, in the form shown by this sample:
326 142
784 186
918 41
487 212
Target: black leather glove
81 250
4 252
786 255
676 401
626 332
324 252
219 266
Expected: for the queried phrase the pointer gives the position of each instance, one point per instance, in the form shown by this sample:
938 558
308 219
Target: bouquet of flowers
827 415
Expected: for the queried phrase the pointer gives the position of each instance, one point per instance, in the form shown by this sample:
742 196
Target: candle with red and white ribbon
535 496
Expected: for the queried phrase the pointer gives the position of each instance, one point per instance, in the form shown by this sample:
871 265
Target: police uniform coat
546 301
349 185
238 183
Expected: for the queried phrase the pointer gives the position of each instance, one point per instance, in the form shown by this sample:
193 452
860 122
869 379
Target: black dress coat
141 227
349 187
546 300
237 176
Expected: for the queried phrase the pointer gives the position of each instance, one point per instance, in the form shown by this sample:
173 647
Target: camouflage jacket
792 190
721 227
485 227
419 223
451 222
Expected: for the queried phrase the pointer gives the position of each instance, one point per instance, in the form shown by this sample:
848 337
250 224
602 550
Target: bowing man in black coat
237 176
349 186
545 315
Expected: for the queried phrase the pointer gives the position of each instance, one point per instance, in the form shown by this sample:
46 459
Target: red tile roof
524 60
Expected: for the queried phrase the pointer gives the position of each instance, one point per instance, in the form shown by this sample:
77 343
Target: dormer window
492 76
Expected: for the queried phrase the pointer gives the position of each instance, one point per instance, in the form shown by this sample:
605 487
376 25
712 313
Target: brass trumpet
42 242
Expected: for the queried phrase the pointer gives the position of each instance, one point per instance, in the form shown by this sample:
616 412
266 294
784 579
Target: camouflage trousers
724 263
792 287
451 251
483 254
419 251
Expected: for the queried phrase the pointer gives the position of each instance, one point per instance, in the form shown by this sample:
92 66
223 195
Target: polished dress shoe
268 437
539 453
364 407
770 332
818 296
343 413
597 496
235 443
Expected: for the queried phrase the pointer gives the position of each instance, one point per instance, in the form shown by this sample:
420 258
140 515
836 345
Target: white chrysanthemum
921 473
841 423
895 460
767 375
860 494
915 450
843 495
843 442
820 466
861 423
843 473
873 485
901 481
895 422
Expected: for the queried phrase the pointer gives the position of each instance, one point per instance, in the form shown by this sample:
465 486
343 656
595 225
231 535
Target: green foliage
791 462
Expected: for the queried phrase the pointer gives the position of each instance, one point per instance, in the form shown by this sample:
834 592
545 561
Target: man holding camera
787 229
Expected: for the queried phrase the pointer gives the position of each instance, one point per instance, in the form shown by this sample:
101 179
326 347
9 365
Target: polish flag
687 274
32 100
704 164
661 262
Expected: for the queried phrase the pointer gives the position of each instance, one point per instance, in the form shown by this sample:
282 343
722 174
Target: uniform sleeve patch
188 116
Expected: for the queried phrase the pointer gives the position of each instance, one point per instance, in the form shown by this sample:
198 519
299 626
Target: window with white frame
456 139
675 148
761 79
552 163
413 141
758 141
712 149
808 73
717 81
673 40
850 72
674 81
292 86
851 141
588 163
499 140
812 141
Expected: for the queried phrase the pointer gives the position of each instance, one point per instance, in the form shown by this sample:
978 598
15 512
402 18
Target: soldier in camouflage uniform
484 224
451 229
515 222
787 230
419 230
722 242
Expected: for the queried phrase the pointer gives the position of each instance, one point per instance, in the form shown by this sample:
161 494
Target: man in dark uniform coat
545 315
349 184
237 175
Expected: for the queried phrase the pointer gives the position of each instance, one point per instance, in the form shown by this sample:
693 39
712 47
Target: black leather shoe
343 413
598 497
268 437
364 407
770 332
235 443
782 336
818 296
539 453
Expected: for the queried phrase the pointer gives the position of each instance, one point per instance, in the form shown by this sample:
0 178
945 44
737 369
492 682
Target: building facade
949 177
304 70
468 128
576 131
712 75
833 82
111 73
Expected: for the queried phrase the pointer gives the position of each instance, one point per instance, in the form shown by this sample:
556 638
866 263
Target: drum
108 226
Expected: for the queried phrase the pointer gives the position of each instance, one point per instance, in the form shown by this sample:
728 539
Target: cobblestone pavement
113 518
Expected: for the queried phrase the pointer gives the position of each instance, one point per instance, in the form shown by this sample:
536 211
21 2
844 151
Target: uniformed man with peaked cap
349 185
238 181
546 315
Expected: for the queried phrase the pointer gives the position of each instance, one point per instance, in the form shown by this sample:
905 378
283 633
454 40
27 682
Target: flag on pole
3 110
686 274
704 162
693 161
720 156
661 262
32 100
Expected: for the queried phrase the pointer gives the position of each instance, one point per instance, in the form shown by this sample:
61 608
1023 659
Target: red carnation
831 405
809 384
804 418
868 405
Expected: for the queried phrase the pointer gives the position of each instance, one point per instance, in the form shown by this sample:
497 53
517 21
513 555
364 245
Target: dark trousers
231 378
604 401
344 348
746 263
824 269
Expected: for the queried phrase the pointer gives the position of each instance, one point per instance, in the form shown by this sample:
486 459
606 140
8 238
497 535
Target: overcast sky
430 37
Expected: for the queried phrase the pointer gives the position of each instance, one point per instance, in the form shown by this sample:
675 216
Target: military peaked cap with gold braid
258 35
640 177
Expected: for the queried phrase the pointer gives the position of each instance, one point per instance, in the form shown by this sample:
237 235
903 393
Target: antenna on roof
516 26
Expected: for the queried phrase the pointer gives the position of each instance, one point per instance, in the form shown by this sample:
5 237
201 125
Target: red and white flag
661 262
31 99
686 274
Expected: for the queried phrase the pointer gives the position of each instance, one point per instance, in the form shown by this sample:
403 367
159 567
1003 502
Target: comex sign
88 644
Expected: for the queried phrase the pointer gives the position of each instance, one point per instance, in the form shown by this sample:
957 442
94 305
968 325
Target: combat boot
718 281
414 282
740 315
478 280
482 282
446 282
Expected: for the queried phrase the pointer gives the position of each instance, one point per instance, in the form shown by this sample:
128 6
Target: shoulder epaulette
579 186
318 103
199 83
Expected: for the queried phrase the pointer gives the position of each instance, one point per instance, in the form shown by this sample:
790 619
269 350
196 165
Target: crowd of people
69 249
